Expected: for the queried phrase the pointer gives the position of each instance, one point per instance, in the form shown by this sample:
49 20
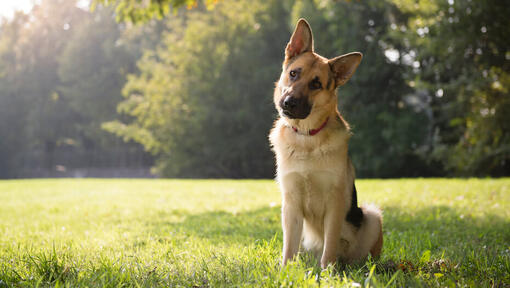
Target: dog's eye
315 84
293 74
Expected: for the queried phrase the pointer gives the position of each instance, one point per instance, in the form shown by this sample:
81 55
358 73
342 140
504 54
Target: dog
310 139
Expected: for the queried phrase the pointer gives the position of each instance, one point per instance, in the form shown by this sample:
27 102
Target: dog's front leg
332 232
292 220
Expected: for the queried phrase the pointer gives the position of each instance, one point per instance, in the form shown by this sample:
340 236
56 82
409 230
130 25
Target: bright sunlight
8 8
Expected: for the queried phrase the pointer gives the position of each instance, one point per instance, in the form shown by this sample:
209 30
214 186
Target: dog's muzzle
295 108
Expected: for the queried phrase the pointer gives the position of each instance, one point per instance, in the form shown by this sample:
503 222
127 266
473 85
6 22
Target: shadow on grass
437 227
475 248
440 227
434 240
219 226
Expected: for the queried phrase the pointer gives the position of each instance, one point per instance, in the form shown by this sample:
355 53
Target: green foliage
92 70
11 104
62 71
223 233
33 117
201 102
464 64
387 128
430 97
139 11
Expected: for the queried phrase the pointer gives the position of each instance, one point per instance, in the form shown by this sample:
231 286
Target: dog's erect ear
344 66
301 40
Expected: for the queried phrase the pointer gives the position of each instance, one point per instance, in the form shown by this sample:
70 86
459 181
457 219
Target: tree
62 70
429 99
12 110
138 11
202 102
37 117
387 127
463 65
92 71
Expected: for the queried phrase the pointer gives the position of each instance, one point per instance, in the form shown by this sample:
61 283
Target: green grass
223 233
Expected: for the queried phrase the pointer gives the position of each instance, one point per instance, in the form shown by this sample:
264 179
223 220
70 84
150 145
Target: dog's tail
366 229
367 235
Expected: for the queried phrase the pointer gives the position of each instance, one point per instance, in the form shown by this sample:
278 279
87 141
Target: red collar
313 131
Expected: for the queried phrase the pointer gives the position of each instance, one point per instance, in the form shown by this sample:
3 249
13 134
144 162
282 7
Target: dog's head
308 81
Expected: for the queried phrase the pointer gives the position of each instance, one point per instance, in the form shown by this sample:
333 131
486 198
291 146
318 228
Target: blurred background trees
189 92
61 73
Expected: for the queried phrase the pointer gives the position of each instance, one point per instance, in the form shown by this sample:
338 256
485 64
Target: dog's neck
315 123
313 131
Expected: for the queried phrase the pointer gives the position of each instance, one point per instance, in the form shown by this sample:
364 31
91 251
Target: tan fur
315 173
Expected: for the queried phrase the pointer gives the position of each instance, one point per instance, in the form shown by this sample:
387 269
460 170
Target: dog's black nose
289 102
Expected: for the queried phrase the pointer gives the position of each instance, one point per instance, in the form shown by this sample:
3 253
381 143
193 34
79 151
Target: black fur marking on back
355 214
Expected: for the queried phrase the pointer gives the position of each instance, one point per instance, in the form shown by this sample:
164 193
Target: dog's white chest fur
311 191
310 181
312 172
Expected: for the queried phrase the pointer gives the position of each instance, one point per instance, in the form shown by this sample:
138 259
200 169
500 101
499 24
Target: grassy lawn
224 233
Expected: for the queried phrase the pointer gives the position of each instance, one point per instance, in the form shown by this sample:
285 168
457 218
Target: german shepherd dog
320 212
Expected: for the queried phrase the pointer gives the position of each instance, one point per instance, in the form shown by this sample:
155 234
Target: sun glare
9 7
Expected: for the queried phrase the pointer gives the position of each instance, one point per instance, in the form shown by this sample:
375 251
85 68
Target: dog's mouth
287 113
299 114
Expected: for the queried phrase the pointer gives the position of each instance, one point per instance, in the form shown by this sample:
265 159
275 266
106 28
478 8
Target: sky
8 7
